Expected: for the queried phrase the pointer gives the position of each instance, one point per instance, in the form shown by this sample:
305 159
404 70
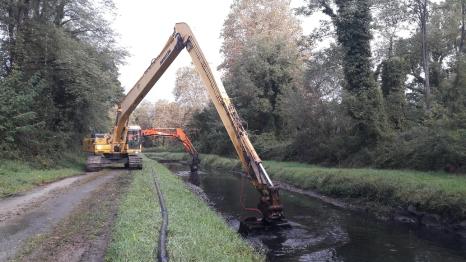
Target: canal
322 232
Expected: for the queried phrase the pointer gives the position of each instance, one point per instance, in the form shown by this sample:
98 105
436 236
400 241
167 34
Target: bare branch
327 9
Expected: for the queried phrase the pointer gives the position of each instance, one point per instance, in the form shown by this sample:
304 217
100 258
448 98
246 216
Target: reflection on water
321 232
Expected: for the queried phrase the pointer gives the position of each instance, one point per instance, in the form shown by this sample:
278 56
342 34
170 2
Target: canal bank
195 232
322 231
433 200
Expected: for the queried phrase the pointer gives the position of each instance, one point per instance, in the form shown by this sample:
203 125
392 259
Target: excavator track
94 163
134 162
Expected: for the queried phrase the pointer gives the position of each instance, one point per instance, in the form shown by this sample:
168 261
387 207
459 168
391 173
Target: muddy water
322 232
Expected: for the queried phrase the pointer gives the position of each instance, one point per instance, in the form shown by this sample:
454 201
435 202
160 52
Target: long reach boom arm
181 38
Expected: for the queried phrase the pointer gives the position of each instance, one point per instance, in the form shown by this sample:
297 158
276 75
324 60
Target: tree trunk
11 37
463 33
423 15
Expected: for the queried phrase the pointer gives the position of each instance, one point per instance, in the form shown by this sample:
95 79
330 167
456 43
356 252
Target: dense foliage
58 75
396 100
377 83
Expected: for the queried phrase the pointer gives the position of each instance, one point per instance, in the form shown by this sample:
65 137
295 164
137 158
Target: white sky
144 27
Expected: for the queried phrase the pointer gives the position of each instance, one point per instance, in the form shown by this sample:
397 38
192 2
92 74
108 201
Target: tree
362 98
19 123
390 18
393 80
324 74
420 10
263 74
144 115
189 90
208 133
169 114
463 26
262 61
68 47
252 19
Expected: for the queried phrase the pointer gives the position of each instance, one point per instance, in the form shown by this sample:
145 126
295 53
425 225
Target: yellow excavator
123 144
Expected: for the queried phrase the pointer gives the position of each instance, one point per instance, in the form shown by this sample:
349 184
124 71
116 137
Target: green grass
195 232
19 176
435 192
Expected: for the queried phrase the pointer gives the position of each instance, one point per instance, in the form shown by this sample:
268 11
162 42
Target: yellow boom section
252 165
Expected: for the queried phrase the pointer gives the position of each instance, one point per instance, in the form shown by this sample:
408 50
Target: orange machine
176 133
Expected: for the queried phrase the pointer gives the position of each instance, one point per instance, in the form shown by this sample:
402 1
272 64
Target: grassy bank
195 232
433 192
18 176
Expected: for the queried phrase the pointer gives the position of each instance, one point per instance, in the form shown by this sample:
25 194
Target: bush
269 147
425 148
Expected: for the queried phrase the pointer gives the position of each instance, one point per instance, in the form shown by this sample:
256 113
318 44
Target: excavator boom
181 38
269 204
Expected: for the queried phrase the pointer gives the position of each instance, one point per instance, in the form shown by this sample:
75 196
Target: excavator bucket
194 178
272 212
252 225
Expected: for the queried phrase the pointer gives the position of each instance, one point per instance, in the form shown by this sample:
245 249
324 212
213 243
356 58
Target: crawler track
134 162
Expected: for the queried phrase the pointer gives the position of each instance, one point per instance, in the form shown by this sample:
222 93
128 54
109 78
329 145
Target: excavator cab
134 138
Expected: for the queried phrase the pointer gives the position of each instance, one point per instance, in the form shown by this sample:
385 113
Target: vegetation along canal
322 232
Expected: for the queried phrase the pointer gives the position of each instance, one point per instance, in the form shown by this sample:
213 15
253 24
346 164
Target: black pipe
162 254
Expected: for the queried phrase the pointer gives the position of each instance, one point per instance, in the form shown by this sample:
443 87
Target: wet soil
63 221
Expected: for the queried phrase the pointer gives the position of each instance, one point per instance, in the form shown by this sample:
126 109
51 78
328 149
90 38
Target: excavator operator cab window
97 135
134 139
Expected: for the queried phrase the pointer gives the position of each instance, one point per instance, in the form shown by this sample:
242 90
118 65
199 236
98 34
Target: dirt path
34 215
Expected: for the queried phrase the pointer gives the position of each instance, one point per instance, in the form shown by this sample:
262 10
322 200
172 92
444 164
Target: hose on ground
162 254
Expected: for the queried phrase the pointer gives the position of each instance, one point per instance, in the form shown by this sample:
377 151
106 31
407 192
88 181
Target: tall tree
463 26
262 60
189 90
259 81
68 47
144 115
391 17
170 114
393 80
362 98
421 13
250 19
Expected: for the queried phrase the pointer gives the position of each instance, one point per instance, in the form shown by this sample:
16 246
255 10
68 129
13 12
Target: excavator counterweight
123 143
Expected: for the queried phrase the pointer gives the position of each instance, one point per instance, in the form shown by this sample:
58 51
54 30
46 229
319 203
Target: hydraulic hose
162 254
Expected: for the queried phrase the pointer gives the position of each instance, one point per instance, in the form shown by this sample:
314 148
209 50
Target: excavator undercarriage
134 162
96 163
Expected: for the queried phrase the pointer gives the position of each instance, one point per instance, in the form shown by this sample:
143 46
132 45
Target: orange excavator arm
180 135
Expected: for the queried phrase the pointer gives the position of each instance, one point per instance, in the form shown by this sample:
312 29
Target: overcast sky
145 25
